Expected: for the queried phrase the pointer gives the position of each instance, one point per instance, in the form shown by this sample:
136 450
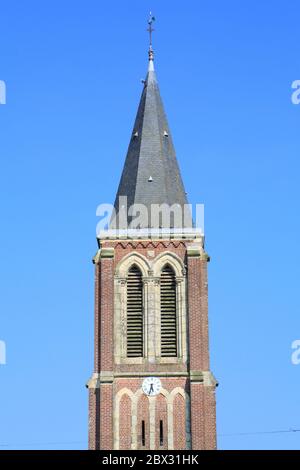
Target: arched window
168 321
135 313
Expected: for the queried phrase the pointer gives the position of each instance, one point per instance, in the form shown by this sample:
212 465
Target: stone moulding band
147 234
204 377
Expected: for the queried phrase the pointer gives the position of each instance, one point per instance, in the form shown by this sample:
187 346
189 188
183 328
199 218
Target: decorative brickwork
121 416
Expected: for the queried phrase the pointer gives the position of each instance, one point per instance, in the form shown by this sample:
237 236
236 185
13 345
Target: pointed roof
151 173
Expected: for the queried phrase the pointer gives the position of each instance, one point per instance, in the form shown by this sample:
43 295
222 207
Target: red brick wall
203 288
107 314
125 423
143 415
202 398
179 423
203 417
197 416
161 415
197 301
97 318
101 400
106 417
94 419
210 431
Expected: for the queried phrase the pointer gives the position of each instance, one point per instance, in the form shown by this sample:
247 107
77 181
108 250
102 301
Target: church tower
152 387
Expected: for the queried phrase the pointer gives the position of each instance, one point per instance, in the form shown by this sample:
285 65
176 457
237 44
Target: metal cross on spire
150 30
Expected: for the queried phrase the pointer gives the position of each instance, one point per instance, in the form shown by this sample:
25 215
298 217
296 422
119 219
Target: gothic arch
177 391
124 392
171 259
121 286
186 397
165 393
170 398
175 262
132 259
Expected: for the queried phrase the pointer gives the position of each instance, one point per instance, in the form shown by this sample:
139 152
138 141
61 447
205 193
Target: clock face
151 386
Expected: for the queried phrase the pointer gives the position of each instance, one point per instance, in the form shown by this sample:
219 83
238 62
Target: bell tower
152 387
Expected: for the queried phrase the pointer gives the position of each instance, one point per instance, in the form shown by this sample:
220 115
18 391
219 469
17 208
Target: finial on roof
150 30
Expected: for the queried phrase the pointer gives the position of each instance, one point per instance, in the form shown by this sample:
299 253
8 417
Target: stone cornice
104 253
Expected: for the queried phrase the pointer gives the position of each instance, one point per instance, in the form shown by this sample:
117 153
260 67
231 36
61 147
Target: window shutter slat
168 313
134 313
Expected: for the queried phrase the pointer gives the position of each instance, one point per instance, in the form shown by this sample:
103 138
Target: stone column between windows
145 317
151 314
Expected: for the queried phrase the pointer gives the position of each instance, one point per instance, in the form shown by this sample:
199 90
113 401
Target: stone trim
93 382
97 257
116 416
151 272
194 251
120 308
97 379
132 258
167 257
205 257
209 379
203 376
155 237
108 252
146 374
102 253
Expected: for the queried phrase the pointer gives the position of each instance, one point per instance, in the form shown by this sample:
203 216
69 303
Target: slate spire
151 173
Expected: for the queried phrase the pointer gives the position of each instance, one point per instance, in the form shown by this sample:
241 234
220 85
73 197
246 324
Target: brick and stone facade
151 306
117 404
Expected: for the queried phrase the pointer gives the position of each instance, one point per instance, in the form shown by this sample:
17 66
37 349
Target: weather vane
150 30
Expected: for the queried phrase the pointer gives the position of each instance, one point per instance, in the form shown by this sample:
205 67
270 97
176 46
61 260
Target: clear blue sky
73 71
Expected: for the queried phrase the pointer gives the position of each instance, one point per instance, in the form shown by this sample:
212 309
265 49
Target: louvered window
134 313
168 313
